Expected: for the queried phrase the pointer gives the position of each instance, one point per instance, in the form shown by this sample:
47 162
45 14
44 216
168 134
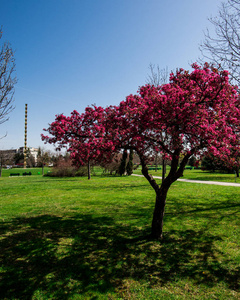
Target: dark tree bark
163 169
122 167
158 213
1 165
129 167
161 191
237 171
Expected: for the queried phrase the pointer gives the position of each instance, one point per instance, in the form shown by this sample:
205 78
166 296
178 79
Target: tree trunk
237 172
163 169
158 214
156 165
161 192
1 165
89 170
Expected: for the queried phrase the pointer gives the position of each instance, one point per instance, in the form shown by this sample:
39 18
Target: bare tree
6 157
7 80
43 158
222 47
157 76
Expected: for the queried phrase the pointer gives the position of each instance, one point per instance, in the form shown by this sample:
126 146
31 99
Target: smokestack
25 139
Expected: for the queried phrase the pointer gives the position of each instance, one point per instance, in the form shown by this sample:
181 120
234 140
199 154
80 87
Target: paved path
200 181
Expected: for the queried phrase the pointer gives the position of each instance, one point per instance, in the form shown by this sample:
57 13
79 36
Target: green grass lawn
198 174
34 171
71 238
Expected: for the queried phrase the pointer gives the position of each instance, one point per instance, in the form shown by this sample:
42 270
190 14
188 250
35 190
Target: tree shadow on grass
60 257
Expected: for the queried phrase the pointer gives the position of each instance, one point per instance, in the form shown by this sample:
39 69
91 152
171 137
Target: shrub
64 168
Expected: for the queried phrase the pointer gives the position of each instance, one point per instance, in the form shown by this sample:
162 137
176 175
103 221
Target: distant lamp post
25 139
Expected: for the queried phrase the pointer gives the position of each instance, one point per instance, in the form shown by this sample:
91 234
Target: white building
33 152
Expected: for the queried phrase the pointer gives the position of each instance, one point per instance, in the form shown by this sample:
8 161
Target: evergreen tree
192 161
122 167
129 167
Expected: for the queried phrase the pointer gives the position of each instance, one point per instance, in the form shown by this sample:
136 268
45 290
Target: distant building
11 152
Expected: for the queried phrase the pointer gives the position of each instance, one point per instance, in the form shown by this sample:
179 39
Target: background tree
113 164
7 80
30 159
84 135
192 161
6 158
193 113
158 77
43 157
122 167
223 47
18 158
129 167
211 163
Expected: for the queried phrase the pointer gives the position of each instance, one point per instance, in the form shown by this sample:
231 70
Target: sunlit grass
71 238
34 171
198 174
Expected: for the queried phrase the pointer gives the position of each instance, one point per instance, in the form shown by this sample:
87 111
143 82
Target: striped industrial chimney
25 139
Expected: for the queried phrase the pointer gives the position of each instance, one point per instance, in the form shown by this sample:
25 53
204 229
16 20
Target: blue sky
74 53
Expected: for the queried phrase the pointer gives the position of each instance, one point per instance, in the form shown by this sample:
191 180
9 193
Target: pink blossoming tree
83 135
194 113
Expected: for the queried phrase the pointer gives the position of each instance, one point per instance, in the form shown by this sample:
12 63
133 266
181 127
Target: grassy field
34 171
71 238
198 174
188 174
